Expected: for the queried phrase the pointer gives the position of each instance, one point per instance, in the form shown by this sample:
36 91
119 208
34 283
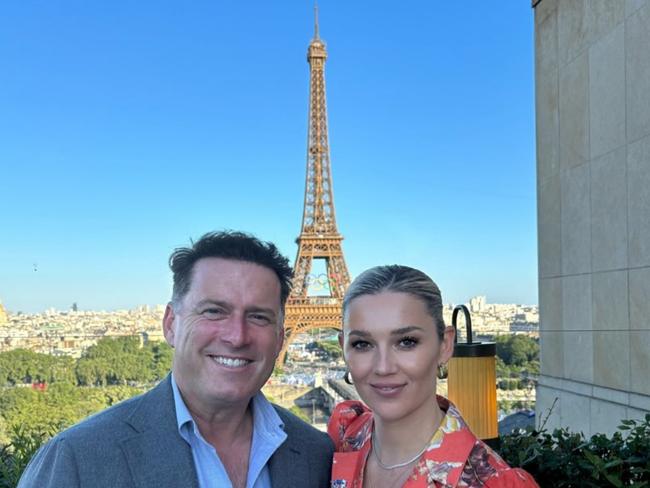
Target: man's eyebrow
262 309
209 301
406 330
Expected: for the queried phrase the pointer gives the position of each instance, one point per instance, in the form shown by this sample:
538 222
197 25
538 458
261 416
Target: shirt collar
444 459
266 421
183 416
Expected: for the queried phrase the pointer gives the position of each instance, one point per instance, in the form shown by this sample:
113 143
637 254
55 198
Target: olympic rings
321 282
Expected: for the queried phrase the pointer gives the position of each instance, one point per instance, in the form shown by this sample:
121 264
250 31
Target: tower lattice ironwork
319 237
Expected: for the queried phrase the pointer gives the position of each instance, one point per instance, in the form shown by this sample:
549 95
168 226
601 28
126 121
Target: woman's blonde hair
399 279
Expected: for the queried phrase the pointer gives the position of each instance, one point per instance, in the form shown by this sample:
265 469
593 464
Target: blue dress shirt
268 435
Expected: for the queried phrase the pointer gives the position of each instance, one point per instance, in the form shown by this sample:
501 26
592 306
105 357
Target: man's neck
220 423
229 429
224 426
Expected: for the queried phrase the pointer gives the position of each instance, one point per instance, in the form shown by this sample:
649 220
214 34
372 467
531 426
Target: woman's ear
447 346
341 342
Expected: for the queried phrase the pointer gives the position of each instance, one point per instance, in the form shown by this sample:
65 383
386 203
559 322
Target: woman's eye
408 342
360 345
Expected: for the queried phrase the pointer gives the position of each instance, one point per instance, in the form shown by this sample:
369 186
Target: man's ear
169 327
281 339
341 339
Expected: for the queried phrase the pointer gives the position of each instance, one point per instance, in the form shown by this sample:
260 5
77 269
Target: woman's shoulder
349 409
511 478
350 425
493 471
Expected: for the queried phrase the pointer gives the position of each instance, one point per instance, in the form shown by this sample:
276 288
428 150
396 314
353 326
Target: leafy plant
15 456
565 459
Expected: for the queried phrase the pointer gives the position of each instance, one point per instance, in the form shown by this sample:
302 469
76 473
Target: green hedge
564 459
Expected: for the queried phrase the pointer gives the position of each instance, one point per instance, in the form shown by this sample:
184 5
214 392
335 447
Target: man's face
226 334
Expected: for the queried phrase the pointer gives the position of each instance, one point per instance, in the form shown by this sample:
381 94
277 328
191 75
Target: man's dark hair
238 246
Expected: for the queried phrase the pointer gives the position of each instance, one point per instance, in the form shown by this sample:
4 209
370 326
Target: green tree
331 347
517 350
15 455
20 366
28 417
120 361
162 359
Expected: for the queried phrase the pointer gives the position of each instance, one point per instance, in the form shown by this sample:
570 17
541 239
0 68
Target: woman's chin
391 406
388 411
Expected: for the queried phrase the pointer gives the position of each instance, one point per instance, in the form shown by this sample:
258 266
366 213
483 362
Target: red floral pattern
454 457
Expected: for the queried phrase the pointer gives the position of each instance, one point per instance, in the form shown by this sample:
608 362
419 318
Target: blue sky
129 127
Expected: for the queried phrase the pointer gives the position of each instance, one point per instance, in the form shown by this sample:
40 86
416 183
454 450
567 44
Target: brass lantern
472 382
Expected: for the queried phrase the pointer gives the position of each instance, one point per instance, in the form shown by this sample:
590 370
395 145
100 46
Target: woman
394 340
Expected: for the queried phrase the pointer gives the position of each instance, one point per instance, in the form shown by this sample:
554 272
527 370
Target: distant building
496 318
516 421
477 304
4 319
593 204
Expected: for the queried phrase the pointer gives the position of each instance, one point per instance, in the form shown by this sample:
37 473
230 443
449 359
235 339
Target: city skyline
131 129
71 331
161 306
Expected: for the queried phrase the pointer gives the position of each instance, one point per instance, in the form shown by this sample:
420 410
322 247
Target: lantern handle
468 322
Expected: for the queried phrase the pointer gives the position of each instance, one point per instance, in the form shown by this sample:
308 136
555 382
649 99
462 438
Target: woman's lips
387 389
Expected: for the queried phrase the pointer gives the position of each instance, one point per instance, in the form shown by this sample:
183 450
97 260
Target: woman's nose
385 362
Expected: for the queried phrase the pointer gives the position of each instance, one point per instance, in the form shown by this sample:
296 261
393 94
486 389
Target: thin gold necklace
375 450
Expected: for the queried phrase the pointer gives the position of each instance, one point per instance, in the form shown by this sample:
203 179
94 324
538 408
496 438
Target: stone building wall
592 78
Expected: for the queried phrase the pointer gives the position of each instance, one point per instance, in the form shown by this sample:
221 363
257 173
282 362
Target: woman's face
392 350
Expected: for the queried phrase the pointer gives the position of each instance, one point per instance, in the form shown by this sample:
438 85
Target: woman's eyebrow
360 333
406 330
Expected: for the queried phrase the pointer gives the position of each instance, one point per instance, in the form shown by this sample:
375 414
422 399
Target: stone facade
592 73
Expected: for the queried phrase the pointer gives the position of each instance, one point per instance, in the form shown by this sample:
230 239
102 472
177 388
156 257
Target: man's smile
230 362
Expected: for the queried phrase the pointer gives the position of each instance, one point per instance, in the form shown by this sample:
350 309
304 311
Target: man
207 424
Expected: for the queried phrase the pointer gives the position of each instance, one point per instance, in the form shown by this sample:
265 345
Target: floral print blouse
454 458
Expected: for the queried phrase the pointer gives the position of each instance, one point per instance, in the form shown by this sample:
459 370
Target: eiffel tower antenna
319 238
316 21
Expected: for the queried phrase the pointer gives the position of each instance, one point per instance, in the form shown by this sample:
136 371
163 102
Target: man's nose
236 331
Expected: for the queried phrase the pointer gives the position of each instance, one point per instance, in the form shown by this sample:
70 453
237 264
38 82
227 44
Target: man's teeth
231 362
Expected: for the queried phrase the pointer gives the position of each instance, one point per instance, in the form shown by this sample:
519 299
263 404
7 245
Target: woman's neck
405 437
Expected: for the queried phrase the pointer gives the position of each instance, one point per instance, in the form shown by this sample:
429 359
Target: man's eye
213 313
408 342
360 345
260 319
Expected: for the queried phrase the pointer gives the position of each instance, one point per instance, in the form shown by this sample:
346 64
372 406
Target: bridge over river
316 402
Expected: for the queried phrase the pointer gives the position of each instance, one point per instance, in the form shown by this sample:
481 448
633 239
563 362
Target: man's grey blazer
136 444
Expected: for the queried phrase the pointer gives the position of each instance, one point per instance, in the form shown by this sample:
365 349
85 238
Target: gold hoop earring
347 377
443 371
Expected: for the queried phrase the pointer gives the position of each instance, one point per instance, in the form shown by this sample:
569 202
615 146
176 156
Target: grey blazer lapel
288 466
157 455
156 463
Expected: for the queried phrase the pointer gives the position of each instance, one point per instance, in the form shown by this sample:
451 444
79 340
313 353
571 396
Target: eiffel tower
319 237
